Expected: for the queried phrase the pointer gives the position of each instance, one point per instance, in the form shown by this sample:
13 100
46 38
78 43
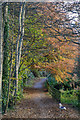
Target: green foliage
70 97
45 85
19 96
5 73
43 73
52 80
34 42
56 94
53 91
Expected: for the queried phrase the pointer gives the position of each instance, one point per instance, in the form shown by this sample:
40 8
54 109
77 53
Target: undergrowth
70 97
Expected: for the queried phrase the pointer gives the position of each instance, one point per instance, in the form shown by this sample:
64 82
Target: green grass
69 97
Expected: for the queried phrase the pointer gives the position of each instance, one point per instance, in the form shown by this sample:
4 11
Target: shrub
70 97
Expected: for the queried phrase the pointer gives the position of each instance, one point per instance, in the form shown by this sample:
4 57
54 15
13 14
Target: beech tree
61 57
19 43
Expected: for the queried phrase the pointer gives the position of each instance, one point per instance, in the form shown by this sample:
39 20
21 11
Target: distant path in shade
40 83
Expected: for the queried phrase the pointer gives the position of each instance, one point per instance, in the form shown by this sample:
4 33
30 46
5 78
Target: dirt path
39 104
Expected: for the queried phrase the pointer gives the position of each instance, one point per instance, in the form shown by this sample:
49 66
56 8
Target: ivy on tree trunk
5 58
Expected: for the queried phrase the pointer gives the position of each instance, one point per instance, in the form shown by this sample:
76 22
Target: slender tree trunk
10 66
5 57
22 34
19 44
9 84
0 58
16 53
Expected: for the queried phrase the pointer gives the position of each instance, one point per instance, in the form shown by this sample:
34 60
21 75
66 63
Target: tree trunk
0 58
16 53
22 33
5 57
9 84
19 43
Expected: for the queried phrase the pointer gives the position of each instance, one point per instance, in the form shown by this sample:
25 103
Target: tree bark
9 83
1 58
5 57
19 44
22 34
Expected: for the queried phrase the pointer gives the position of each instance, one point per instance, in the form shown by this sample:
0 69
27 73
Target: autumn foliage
62 53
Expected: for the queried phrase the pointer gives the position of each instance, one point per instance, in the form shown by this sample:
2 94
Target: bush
70 97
